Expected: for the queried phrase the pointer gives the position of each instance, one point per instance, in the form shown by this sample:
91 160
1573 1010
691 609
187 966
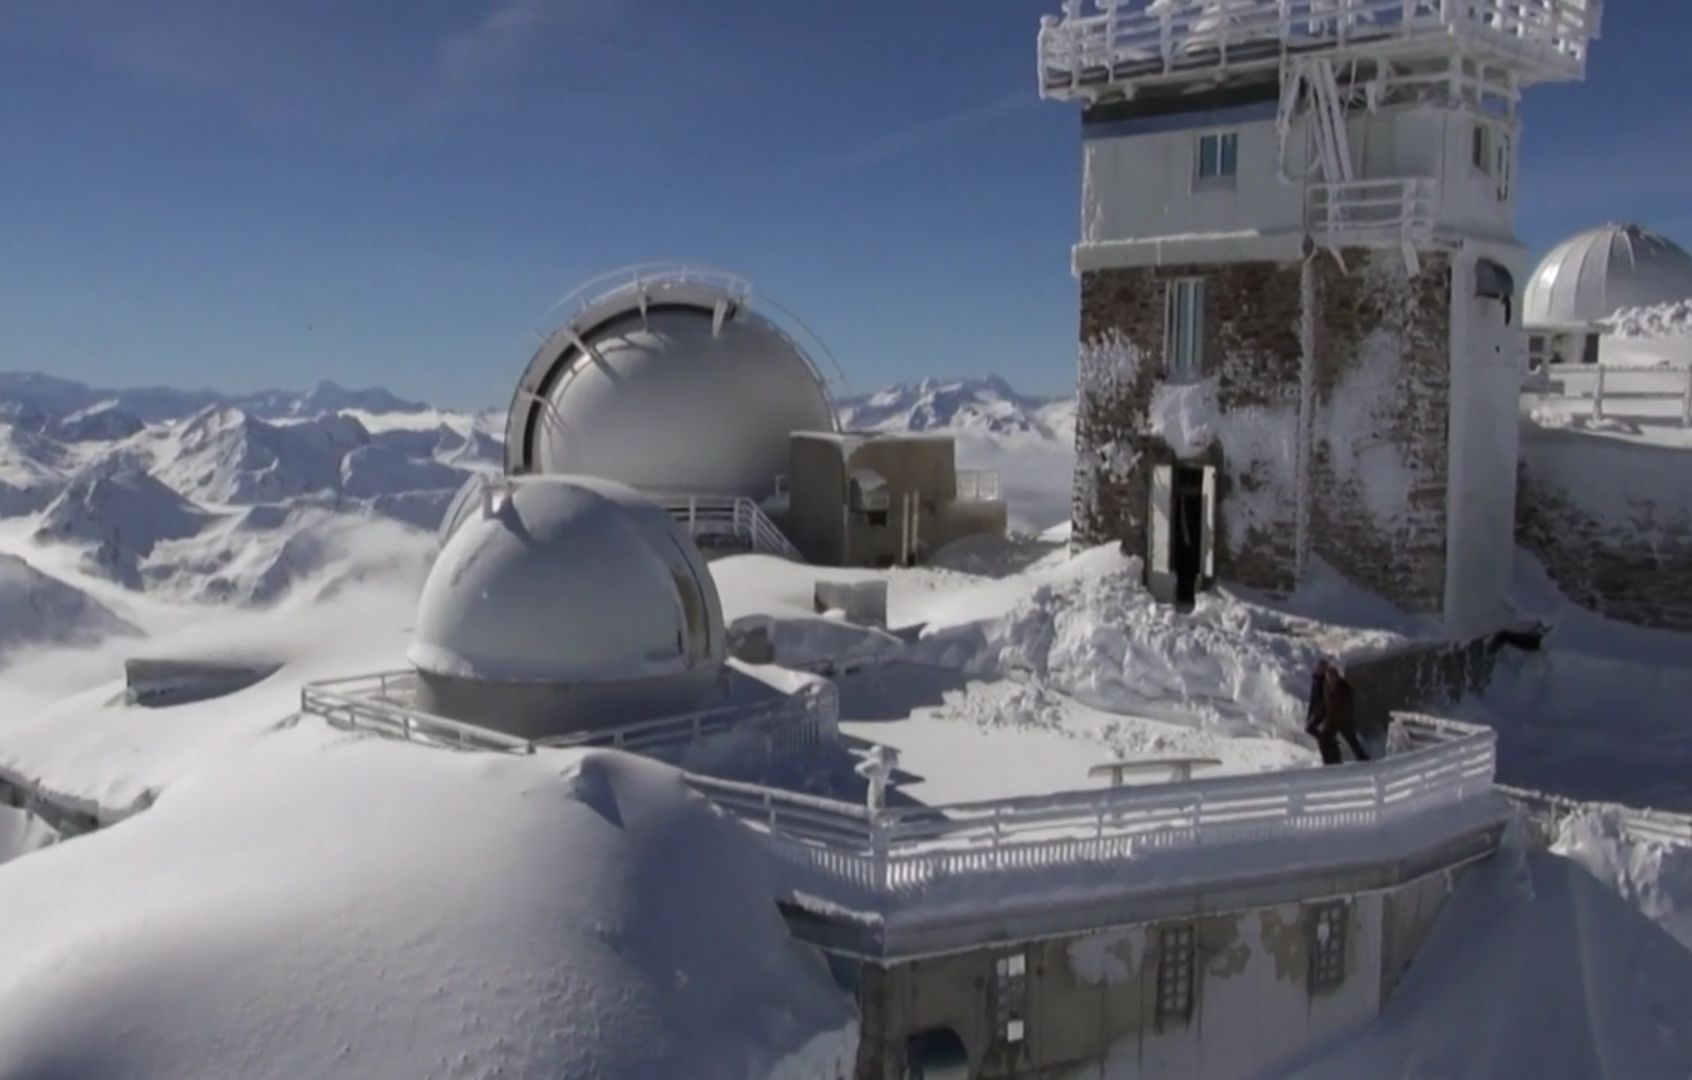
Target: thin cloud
918 136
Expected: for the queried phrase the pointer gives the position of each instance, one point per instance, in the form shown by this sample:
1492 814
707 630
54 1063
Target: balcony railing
1372 213
1097 43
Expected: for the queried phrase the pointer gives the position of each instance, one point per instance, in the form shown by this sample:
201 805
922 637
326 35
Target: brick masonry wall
1611 522
1380 410
1251 348
1383 383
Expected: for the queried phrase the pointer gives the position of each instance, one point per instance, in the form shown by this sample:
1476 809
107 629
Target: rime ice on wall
1260 445
1380 467
1108 369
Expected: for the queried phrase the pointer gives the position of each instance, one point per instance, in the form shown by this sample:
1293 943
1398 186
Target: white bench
1179 768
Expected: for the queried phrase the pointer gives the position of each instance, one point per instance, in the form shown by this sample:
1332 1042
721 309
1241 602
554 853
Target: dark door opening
1187 529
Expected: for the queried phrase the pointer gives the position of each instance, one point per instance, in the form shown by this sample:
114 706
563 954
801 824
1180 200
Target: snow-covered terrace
1125 44
875 878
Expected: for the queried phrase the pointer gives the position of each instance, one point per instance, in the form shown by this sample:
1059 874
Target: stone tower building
1300 335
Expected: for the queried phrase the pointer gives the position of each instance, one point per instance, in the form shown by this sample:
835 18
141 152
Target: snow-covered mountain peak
986 405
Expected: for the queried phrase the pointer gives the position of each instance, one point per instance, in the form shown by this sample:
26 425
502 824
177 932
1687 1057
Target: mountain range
196 495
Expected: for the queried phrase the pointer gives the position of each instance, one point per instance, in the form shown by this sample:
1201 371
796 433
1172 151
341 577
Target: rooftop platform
1114 48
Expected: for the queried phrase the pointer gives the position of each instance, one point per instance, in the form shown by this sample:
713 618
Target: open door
1160 576
1207 537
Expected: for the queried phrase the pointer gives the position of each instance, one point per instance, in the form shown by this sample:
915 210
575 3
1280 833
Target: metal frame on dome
608 296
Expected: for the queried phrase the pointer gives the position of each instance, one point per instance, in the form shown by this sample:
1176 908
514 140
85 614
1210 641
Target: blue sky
270 192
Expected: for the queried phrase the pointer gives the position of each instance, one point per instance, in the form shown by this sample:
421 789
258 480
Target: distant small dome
667 381
1591 276
567 580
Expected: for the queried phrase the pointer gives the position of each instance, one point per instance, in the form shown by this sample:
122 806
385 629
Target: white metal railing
1364 212
902 850
1121 41
385 702
1610 383
978 485
727 519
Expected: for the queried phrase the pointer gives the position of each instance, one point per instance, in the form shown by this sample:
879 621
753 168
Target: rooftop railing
1098 43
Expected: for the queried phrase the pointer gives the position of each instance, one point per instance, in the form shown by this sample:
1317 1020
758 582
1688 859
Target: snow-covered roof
1590 276
567 579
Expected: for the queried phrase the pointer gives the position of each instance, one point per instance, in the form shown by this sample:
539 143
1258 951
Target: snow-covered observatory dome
561 603
1592 275
668 380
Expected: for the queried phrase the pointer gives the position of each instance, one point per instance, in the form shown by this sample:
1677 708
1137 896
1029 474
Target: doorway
1180 546
1186 545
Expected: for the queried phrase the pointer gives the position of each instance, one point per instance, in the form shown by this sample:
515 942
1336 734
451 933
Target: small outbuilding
881 499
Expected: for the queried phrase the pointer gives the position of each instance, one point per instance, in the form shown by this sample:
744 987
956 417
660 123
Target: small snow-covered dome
1591 276
670 382
563 602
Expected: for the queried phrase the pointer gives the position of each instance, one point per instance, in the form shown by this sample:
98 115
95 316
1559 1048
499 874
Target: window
1175 975
1183 330
1480 149
1218 158
1010 998
1501 170
1327 947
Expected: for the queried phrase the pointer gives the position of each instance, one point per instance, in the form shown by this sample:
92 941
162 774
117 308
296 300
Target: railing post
1598 395
1686 401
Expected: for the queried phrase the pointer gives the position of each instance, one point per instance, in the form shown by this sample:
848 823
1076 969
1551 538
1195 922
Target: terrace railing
1613 385
902 850
385 702
1103 42
728 521
1391 211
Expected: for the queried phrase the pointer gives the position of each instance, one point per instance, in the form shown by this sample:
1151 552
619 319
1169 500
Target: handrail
1111 40
902 849
1602 391
384 702
1387 209
735 517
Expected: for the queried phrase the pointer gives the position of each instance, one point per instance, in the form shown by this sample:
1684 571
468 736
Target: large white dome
669 383
567 580
1593 275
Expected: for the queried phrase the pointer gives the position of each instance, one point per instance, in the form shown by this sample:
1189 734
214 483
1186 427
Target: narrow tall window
1010 998
1175 950
1327 946
1480 149
1183 330
1218 158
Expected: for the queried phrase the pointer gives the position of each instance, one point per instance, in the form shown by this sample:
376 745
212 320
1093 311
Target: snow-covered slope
1534 970
38 610
56 398
325 905
118 514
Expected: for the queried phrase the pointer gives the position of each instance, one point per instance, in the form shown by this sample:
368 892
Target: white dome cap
670 383
566 579
1593 275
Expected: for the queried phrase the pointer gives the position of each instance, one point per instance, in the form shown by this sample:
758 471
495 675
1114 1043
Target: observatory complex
1298 271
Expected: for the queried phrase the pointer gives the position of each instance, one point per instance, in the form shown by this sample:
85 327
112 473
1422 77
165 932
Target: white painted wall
1486 370
1145 186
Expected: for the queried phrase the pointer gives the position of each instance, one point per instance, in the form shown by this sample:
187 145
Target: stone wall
1251 356
1612 523
1380 441
1417 677
1380 411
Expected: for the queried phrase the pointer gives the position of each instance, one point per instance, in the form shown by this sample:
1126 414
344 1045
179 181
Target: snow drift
341 906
